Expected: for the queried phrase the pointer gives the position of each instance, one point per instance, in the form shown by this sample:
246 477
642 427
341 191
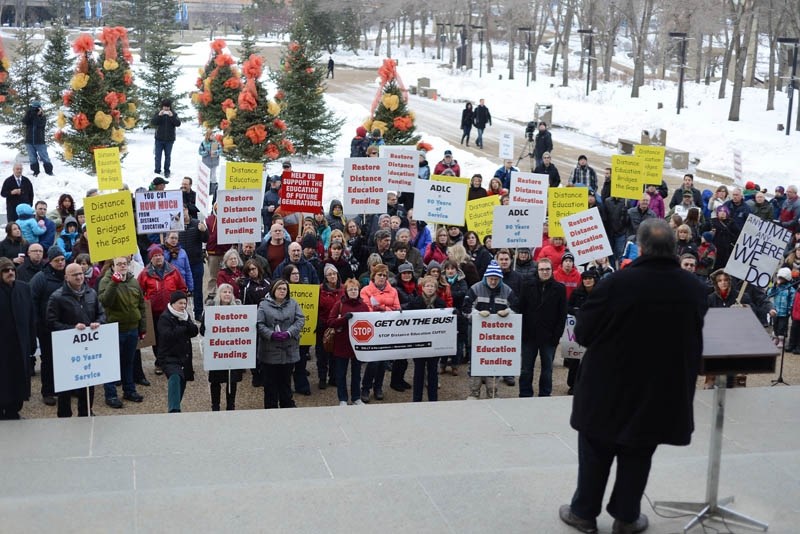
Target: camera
530 129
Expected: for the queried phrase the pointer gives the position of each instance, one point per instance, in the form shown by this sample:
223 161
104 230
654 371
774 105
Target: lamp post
480 56
527 31
461 58
590 33
790 41
440 40
682 67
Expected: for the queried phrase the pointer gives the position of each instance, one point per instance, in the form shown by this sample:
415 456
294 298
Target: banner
570 350
758 252
402 166
529 188
506 150
496 345
562 202
440 202
202 187
364 185
518 226
110 225
480 215
379 336
109 169
652 158
586 236
230 338
627 177
87 357
159 211
239 216
241 175
301 191
307 296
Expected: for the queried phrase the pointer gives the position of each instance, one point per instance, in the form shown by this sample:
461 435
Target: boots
48 168
35 168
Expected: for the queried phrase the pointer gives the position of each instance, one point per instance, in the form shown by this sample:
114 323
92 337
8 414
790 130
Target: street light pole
480 38
440 40
590 33
682 68
527 31
792 41
461 58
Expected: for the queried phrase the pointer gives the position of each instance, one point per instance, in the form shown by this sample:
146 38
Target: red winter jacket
157 289
328 298
228 276
341 346
435 253
571 280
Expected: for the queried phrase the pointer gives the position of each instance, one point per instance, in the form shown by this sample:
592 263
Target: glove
280 336
455 311
117 278
484 313
41 223
142 335
348 316
502 313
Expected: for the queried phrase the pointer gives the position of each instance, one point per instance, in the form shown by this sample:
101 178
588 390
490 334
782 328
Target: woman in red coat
343 353
437 251
231 271
330 295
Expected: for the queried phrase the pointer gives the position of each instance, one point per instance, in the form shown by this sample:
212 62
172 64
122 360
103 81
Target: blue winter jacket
27 223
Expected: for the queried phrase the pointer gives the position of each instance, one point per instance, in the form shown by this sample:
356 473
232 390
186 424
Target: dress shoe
640 525
323 384
378 394
407 385
365 397
398 387
584 525
133 397
142 382
49 400
114 402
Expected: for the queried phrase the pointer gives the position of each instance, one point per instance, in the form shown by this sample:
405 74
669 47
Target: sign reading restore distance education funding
529 188
758 252
243 175
238 216
440 202
379 336
110 226
301 191
307 296
517 226
230 339
364 185
586 236
109 169
402 166
496 345
563 202
159 211
83 358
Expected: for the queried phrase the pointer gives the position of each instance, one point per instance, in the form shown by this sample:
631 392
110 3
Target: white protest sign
570 350
440 202
403 166
159 211
238 216
518 226
230 339
586 236
758 252
203 186
496 345
364 185
529 188
738 175
379 336
506 145
83 358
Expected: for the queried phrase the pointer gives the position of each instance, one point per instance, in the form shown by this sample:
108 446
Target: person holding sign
218 377
17 330
380 296
74 305
343 354
575 301
175 332
426 369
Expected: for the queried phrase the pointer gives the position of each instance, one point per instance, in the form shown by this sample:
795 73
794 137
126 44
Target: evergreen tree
143 17
159 76
252 130
391 115
115 64
313 128
249 45
57 58
24 81
219 85
6 92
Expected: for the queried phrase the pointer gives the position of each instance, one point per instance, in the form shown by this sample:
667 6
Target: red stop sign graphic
362 331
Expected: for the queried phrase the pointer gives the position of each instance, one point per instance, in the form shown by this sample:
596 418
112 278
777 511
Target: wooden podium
733 342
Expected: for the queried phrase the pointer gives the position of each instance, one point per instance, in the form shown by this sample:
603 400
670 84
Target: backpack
358 147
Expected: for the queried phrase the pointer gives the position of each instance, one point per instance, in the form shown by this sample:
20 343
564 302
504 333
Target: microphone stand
780 379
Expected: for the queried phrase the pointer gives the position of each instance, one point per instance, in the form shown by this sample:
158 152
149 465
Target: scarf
173 251
182 316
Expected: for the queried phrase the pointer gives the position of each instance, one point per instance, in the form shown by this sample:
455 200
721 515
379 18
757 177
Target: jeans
479 138
341 378
529 351
166 148
373 376
618 247
426 368
197 295
176 386
127 350
37 152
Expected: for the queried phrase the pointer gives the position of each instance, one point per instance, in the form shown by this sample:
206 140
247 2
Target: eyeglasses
251 269
546 157
545 269
8 270
121 263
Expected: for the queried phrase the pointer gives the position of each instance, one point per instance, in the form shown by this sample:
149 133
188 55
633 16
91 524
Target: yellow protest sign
109 170
110 225
563 201
627 177
652 162
307 296
480 215
242 175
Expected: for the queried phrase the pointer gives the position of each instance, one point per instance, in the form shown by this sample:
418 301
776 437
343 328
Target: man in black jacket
544 143
625 404
191 239
19 341
35 128
43 285
17 189
482 117
165 122
33 264
548 168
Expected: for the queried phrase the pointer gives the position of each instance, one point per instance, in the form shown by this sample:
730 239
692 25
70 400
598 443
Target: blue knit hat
493 270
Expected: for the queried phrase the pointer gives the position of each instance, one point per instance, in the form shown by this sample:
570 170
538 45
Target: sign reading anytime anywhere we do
480 215
203 187
238 216
230 338
109 169
529 188
440 202
562 202
307 296
402 166
110 225
586 236
242 175
301 191
518 226
83 358
758 252
627 177
496 345
159 211
570 349
364 185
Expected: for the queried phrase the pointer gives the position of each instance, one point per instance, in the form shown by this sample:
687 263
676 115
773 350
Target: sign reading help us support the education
301 191
239 216
379 336
83 358
758 252
518 226
506 150
402 166
440 202
586 236
496 345
230 338
529 188
570 349
364 185
159 211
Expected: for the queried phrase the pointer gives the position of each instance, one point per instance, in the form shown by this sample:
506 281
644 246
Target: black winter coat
11 249
191 240
165 126
28 270
631 391
544 143
43 285
175 345
467 116
543 306
34 126
65 308
19 342
551 171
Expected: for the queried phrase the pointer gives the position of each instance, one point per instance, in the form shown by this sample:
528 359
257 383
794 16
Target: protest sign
586 236
159 211
110 226
652 158
529 188
202 188
440 202
402 163
517 226
451 179
496 345
738 175
307 296
378 336
570 349
109 169
238 216
83 358
480 215
627 177
562 202
758 252
364 185
506 144
230 338
243 175
301 191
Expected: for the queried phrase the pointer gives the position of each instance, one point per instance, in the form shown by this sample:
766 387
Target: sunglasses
8 270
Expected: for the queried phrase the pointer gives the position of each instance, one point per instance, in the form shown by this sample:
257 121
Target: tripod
530 146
